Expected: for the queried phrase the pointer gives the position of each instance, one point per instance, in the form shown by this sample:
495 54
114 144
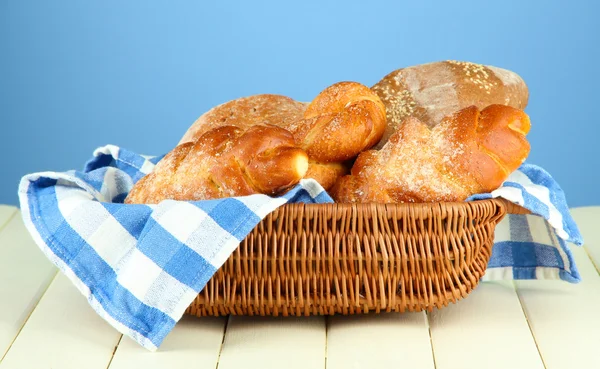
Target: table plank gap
427 319
595 264
23 325
25 275
489 318
267 342
193 342
563 316
326 339
114 351
537 346
64 331
384 340
493 315
6 215
222 341
585 216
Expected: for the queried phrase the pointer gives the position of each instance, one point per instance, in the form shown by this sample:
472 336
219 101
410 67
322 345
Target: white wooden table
46 323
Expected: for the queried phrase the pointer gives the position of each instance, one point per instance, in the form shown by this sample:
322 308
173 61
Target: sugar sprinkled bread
469 152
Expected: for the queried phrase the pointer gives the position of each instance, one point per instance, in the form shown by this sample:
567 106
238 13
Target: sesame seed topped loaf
429 92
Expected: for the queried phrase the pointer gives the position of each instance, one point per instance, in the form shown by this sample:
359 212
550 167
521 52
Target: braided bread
469 152
225 161
343 120
430 92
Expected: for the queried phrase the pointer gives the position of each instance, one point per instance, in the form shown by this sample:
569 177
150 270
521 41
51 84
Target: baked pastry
430 92
469 152
225 161
246 112
343 120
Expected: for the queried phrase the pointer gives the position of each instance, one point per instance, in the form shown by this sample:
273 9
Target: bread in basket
400 236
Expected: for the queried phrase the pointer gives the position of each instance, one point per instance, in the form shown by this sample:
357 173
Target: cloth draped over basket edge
140 266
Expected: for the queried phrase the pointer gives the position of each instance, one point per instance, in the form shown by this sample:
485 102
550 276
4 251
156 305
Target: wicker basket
349 259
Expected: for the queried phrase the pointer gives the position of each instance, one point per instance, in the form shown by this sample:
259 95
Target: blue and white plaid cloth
141 266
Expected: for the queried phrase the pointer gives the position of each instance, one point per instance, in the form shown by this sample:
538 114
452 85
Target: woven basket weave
355 258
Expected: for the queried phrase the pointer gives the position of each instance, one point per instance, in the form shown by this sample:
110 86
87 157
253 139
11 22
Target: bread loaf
343 120
246 112
469 152
225 161
430 92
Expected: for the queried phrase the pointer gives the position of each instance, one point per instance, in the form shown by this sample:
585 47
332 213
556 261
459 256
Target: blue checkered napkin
140 266
534 246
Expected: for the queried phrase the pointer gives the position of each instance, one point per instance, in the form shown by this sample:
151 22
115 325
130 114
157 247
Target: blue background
76 75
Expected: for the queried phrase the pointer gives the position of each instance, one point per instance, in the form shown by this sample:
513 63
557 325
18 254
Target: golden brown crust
225 162
246 112
327 173
343 120
430 92
469 152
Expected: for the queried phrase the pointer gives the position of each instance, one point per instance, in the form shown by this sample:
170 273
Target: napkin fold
141 266
533 246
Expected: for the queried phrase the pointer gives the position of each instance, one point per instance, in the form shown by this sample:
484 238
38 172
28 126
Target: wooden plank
386 340
588 220
63 332
6 212
488 320
25 274
564 317
194 342
269 342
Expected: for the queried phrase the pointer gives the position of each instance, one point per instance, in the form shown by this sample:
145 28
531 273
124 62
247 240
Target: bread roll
343 120
469 152
327 174
430 92
246 112
225 161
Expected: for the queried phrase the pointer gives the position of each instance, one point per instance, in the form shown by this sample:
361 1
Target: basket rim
507 206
